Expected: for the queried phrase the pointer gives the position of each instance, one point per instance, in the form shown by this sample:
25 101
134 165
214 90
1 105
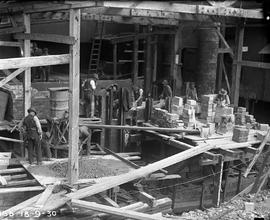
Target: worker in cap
166 95
223 99
32 135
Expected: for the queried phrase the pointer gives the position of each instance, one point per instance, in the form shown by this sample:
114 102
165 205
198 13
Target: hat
165 82
223 92
31 109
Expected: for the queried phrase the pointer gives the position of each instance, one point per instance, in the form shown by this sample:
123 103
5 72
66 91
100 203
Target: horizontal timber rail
171 130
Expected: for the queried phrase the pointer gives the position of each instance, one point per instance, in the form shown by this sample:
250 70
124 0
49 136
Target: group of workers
35 138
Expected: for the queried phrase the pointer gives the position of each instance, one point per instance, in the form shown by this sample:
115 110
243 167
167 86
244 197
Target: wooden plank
236 71
109 200
112 210
15 80
222 38
226 76
74 96
20 189
145 197
13 63
22 182
12 30
16 64
260 149
141 172
127 127
61 39
44 196
12 76
10 139
14 170
218 181
12 177
10 44
254 64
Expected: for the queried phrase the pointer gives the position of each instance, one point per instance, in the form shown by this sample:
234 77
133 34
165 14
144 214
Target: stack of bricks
164 119
208 107
177 105
250 120
240 134
189 116
240 116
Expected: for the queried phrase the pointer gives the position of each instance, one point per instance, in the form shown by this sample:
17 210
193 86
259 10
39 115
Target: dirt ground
88 168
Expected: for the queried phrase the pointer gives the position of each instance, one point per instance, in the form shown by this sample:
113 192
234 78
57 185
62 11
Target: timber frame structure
144 13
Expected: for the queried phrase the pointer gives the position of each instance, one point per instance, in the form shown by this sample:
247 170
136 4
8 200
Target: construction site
147 110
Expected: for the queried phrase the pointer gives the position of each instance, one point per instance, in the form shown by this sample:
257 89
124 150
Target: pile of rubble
246 207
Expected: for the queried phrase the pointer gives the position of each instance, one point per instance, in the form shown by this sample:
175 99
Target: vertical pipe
207 62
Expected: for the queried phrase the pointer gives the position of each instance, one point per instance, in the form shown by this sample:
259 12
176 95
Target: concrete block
191 102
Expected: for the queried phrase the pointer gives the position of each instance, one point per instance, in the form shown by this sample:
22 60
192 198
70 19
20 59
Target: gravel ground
236 209
88 168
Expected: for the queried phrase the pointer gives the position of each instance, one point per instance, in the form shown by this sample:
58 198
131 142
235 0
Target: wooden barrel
58 101
3 104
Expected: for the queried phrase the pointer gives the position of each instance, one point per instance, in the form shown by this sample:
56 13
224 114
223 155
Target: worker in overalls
166 95
32 135
137 96
89 87
222 99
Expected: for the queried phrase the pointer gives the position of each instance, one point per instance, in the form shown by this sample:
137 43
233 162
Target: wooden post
74 93
218 181
27 73
176 75
236 70
114 60
135 55
154 77
148 72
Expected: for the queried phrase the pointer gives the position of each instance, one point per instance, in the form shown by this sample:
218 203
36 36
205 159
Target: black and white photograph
144 110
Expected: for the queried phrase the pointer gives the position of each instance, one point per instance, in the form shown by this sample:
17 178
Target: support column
176 74
27 73
135 55
114 60
220 61
207 60
74 85
218 181
148 72
236 70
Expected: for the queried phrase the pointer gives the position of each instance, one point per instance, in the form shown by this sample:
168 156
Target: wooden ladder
96 49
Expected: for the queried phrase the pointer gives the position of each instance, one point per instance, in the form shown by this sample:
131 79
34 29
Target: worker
33 135
222 99
166 95
89 87
192 92
137 96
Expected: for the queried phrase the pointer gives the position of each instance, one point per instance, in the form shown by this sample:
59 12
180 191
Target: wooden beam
145 197
62 39
224 42
16 64
12 76
236 71
12 30
226 76
20 189
44 196
148 63
225 50
141 172
109 200
13 63
127 127
74 95
14 170
113 211
254 64
10 44
114 60
10 139
15 80
218 181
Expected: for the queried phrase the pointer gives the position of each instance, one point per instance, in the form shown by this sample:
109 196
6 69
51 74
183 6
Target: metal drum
58 101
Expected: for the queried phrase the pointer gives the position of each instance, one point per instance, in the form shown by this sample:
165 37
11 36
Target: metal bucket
3 104
58 101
